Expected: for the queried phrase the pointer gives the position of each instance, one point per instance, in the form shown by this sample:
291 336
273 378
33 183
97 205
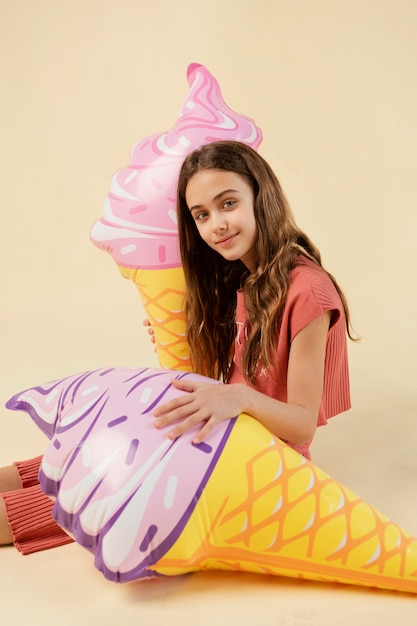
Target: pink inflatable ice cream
107 462
139 227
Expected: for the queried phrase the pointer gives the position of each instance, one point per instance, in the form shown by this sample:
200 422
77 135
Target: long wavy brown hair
212 281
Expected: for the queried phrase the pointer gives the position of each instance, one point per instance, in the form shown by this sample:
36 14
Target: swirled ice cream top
138 226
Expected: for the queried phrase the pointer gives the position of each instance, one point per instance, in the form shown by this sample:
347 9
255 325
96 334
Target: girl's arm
294 420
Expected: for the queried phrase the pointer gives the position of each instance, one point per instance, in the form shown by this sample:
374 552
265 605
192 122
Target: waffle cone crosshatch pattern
273 512
162 293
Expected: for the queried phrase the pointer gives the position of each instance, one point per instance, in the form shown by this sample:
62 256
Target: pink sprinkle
162 254
156 183
138 209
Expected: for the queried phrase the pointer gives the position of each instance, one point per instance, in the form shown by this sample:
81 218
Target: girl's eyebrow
216 197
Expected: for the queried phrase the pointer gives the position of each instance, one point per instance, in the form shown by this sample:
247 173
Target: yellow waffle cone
162 294
266 509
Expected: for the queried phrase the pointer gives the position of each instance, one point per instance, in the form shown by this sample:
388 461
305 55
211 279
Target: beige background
333 86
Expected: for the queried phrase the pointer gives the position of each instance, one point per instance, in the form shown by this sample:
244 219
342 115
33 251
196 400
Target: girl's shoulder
310 280
307 270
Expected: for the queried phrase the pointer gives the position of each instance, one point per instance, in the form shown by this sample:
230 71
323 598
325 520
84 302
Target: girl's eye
228 204
200 216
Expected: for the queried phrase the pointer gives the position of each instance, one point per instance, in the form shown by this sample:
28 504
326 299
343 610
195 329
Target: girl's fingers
186 412
173 410
184 426
184 385
203 433
149 326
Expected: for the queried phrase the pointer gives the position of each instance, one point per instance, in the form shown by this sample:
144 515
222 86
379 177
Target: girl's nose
219 223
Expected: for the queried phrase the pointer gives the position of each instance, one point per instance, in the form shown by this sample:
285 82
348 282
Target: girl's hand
204 402
151 331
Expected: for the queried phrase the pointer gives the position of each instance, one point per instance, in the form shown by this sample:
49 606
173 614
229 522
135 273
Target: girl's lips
225 240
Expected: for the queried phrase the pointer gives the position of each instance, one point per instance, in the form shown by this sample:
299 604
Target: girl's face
222 205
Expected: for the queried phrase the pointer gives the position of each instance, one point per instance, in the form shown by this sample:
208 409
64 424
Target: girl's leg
29 516
10 479
26 512
6 536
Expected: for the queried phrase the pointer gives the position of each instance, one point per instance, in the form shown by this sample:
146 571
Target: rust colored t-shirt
311 294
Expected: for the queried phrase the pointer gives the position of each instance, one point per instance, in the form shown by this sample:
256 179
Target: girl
262 314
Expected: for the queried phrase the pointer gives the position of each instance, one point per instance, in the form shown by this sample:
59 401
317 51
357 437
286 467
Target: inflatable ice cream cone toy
139 227
243 500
